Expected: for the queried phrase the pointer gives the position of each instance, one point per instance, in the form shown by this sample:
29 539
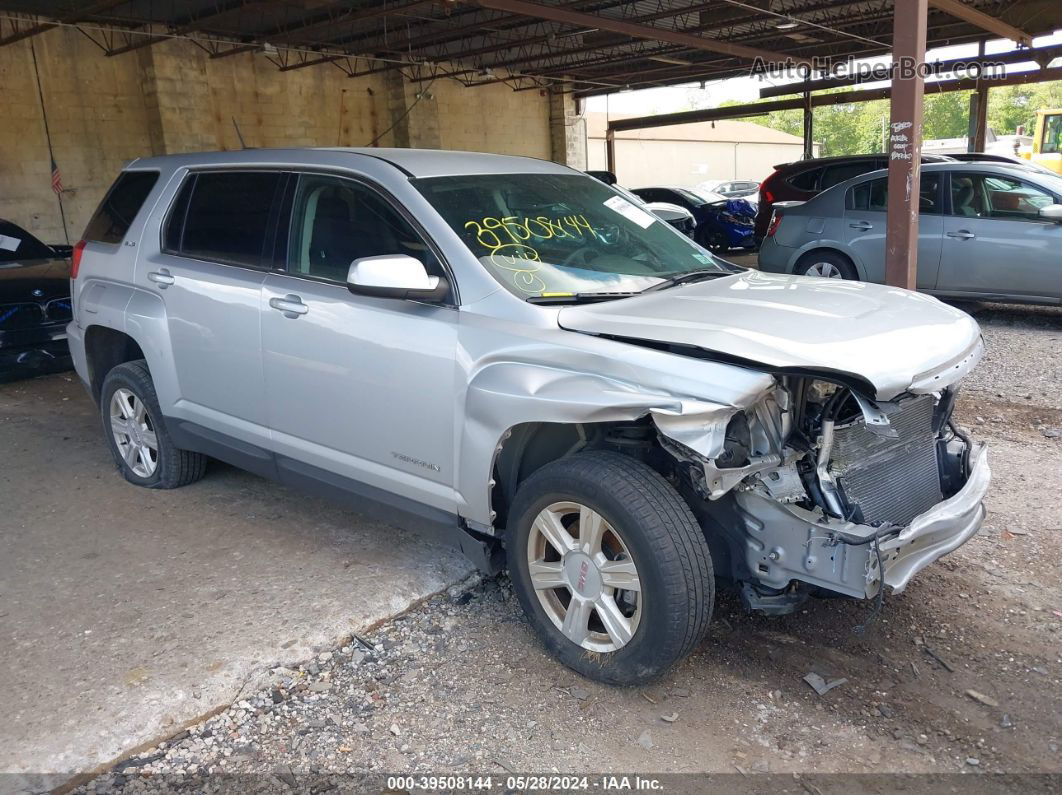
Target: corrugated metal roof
476 45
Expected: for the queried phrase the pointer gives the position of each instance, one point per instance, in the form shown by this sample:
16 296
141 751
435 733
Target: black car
34 305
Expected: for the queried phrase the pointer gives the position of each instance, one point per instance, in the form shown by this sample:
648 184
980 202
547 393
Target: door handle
861 225
962 234
290 305
162 278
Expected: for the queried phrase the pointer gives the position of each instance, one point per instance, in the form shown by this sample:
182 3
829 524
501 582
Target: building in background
688 154
1012 145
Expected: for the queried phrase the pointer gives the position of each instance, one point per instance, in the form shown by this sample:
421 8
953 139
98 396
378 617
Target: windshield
544 235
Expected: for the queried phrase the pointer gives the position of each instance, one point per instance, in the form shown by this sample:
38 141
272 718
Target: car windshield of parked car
545 235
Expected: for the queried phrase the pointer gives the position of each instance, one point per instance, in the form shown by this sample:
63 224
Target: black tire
174 467
823 257
666 543
713 238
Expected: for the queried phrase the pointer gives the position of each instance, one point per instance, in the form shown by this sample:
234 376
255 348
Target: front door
865 225
360 391
209 275
996 243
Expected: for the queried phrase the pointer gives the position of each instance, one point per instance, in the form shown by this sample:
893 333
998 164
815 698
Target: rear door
209 275
996 243
865 222
360 391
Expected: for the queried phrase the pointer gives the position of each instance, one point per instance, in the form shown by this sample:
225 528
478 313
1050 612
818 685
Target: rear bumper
784 543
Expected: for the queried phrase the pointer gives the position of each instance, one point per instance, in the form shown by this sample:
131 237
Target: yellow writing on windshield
507 241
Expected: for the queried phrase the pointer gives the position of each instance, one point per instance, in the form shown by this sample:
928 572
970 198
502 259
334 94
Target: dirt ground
962 673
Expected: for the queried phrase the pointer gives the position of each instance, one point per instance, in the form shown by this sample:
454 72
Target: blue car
722 224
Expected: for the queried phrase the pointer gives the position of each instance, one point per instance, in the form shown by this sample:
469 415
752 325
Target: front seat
964 198
330 243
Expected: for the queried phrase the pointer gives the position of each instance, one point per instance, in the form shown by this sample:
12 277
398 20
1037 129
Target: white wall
685 163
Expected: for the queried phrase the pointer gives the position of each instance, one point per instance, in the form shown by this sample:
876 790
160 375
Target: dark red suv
803 179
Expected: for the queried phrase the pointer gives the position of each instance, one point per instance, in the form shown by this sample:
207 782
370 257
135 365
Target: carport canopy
577 47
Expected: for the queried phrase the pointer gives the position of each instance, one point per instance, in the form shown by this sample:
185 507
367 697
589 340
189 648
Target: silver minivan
513 358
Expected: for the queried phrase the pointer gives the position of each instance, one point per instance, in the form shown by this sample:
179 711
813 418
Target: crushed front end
820 489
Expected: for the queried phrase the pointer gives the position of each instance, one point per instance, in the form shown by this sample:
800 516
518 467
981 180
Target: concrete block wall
172 97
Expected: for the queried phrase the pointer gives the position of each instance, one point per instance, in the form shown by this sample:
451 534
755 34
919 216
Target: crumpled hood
894 340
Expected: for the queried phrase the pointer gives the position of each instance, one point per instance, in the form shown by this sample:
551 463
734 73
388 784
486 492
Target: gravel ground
962 673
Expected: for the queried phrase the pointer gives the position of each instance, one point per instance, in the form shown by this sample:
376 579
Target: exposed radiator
891 480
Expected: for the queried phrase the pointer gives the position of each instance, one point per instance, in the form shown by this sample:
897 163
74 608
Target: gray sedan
986 231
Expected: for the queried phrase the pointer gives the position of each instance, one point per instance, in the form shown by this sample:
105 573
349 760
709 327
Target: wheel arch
833 247
520 416
105 349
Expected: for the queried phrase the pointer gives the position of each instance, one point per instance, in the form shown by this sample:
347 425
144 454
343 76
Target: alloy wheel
826 270
133 433
584 577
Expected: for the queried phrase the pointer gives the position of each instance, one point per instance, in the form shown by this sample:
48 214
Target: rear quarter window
119 207
806 180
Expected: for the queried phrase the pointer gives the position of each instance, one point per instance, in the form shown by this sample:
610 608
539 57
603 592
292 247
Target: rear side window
119 207
873 195
223 216
835 175
806 180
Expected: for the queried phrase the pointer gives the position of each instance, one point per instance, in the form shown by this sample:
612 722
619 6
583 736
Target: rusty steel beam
634 30
980 19
301 30
189 24
820 100
1047 54
75 16
905 145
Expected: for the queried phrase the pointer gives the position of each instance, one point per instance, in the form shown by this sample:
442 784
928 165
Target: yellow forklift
1047 142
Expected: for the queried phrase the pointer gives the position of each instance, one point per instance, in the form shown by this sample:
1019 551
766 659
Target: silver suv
510 355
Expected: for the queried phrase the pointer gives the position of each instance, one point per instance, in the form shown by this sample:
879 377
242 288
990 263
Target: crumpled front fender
505 394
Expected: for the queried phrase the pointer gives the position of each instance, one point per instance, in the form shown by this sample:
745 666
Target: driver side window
335 221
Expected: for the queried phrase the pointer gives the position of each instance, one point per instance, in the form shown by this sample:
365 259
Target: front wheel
610 566
714 239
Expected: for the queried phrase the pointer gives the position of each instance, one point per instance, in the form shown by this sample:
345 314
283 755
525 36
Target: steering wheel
579 258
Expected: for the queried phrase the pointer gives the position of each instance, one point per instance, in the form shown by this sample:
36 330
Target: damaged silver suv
509 355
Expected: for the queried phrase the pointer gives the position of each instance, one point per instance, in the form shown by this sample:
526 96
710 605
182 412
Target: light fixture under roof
788 24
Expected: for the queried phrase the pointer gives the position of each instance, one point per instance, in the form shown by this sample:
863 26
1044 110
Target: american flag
57 179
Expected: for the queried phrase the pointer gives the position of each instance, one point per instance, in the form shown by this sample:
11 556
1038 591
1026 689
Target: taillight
75 258
776 220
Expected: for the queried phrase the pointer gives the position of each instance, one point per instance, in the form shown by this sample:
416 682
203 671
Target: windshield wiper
686 278
577 298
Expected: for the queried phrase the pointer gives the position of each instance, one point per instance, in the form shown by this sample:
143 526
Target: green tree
856 128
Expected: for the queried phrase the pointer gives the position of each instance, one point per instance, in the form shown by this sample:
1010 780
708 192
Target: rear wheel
610 566
826 265
136 433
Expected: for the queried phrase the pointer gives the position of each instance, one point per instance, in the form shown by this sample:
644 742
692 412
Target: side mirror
395 276
1052 212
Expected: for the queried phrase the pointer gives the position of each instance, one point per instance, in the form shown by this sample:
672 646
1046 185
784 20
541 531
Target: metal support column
905 142
977 131
610 151
809 143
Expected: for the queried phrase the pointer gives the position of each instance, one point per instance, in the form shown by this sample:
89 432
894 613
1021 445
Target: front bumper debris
783 542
